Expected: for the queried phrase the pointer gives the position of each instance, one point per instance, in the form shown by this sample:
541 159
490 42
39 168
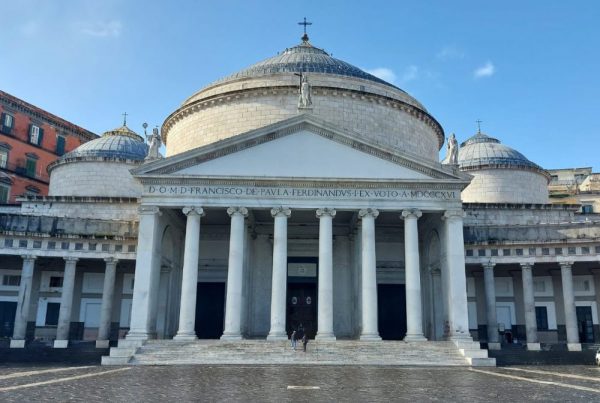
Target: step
108 360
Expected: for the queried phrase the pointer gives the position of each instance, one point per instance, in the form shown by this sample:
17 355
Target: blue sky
528 69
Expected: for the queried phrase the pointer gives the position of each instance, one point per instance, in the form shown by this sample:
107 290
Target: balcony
21 170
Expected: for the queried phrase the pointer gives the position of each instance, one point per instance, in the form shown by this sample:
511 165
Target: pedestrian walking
304 342
294 339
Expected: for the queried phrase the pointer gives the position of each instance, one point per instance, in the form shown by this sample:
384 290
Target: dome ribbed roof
482 150
303 58
122 143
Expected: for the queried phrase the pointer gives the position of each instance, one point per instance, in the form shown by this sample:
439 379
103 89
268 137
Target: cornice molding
231 96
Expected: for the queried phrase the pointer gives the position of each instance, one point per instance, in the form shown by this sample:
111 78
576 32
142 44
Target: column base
494 346
574 346
231 337
102 343
325 337
17 344
370 337
534 347
185 337
414 337
277 337
61 343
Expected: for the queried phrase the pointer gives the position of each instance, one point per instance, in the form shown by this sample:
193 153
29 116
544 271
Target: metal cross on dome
125 119
479 125
305 23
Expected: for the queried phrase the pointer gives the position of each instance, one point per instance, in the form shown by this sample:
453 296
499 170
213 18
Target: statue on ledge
451 151
305 99
155 143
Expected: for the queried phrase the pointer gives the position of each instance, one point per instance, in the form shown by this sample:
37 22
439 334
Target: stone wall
391 121
94 178
506 186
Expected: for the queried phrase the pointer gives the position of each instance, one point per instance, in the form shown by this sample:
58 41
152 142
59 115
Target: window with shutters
4 193
35 134
60 145
3 157
8 121
30 167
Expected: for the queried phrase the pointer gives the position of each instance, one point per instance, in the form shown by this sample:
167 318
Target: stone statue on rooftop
451 151
155 143
305 99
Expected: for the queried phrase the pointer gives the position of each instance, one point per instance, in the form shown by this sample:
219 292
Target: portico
353 226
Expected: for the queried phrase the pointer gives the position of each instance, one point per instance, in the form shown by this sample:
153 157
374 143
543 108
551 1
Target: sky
529 70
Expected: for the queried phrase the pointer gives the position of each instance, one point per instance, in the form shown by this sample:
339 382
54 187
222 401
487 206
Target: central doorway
302 295
391 311
210 310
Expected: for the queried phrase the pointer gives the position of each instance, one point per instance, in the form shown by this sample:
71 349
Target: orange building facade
31 139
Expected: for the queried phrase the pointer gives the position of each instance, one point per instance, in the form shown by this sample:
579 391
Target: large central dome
304 58
267 92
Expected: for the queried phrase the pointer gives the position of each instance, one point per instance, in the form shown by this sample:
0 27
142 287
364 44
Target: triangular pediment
300 147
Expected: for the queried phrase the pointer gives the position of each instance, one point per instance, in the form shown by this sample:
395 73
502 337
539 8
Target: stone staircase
261 352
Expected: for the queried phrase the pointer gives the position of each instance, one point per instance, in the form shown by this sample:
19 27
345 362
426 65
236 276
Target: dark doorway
391 311
302 295
585 324
210 310
7 318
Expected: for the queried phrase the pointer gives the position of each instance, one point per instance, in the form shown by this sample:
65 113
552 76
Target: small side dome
500 174
100 167
482 150
120 143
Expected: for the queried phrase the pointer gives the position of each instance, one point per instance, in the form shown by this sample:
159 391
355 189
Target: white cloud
384 73
487 70
101 29
450 52
410 73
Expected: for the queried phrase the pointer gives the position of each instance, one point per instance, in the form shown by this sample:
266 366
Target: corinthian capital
281 212
243 211
326 212
366 212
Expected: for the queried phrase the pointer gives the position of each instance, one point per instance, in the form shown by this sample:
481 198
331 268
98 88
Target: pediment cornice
296 124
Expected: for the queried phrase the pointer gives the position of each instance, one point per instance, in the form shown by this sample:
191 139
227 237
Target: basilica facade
300 192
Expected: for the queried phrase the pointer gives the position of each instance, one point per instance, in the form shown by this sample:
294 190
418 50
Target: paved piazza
299 383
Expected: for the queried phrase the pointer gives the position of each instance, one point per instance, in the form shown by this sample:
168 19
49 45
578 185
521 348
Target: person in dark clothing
300 333
304 342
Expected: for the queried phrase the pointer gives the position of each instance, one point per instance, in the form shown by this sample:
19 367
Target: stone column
325 314
235 275
147 272
490 307
529 307
66 304
458 314
573 343
279 283
370 331
189 278
23 302
412 270
108 295
437 303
